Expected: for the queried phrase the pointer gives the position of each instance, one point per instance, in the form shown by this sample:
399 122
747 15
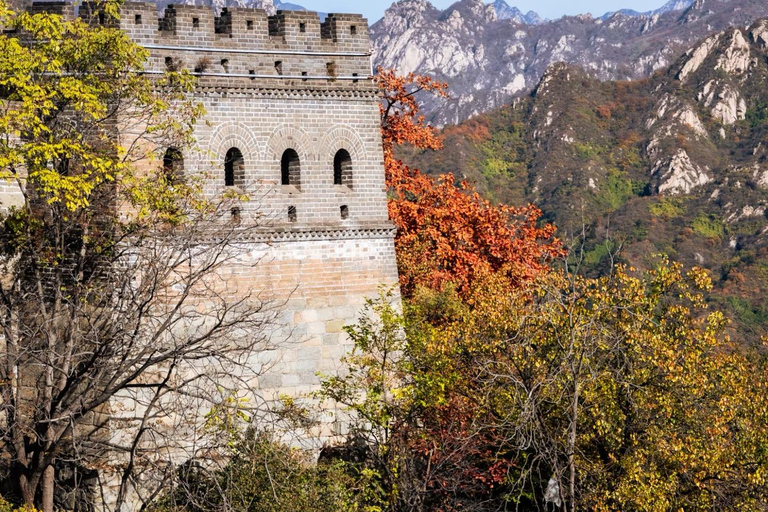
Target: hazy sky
374 9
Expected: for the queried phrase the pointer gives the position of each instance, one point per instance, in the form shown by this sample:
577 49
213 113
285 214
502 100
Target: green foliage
600 251
586 151
667 208
79 71
496 166
708 226
374 386
265 475
616 190
757 115
753 316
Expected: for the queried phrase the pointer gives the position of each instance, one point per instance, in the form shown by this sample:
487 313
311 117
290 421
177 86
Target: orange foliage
604 111
446 232
473 130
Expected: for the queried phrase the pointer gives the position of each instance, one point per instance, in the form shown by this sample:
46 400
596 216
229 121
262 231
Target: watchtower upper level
292 112
243 43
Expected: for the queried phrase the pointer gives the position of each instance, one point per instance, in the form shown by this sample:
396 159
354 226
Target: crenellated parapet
243 45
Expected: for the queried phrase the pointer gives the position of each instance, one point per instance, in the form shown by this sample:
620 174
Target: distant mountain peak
488 58
505 12
270 6
671 5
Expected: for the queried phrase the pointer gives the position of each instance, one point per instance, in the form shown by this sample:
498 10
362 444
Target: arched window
290 168
234 168
173 164
342 168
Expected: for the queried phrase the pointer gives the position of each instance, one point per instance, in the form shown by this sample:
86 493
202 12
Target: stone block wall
274 86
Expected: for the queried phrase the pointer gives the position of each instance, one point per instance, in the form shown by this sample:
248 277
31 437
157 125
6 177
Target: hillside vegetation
673 164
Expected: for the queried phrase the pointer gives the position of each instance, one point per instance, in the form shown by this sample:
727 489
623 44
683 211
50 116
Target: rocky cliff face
491 53
676 163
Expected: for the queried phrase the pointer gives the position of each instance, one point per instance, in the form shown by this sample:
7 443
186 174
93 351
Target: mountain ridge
488 61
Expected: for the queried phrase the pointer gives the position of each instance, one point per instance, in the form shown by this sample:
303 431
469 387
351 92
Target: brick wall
319 264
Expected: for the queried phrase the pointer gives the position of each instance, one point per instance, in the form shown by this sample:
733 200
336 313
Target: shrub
708 226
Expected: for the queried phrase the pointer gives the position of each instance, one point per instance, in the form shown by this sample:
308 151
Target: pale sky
374 9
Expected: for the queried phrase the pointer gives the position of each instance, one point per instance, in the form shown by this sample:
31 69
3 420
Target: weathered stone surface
272 85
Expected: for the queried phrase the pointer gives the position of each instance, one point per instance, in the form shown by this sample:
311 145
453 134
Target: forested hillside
673 164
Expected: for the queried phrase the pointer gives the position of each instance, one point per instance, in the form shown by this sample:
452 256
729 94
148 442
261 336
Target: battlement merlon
236 27
243 41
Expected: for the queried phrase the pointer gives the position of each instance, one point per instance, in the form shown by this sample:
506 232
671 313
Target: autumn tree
617 393
448 233
117 326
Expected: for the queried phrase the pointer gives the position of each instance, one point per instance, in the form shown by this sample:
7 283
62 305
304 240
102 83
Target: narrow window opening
342 168
225 65
235 212
302 27
304 74
292 214
234 168
330 68
252 72
355 80
249 24
195 22
353 30
173 165
344 211
279 67
290 168
101 17
137 19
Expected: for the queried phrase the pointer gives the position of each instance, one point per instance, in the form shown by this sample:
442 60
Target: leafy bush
708 226
265 475
585 151
667 208
617 189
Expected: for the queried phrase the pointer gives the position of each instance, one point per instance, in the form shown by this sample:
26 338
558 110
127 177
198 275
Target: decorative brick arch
341 137
288 137
227 136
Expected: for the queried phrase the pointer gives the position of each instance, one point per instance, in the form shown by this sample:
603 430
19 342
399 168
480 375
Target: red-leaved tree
447 232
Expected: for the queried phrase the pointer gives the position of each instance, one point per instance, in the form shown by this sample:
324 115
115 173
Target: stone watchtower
293 122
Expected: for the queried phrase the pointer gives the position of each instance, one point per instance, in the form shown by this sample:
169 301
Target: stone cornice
310 234
287 91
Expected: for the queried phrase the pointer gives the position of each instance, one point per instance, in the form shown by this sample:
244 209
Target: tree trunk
572 446
27 491
47 489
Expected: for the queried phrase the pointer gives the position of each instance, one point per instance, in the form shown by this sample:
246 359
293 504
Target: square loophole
292 217
249 24
344 211
302 27
137 19
195 22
